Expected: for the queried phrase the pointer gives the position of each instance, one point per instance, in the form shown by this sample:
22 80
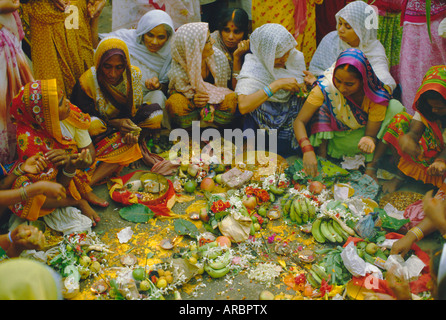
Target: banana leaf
184 227
137 213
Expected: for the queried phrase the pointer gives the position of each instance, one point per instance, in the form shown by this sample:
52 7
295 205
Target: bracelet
268 91
9 237
307 148
235 74
417 232
18 170
302 140
23 194
67 174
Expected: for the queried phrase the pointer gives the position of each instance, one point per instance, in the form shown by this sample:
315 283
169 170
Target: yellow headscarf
24 279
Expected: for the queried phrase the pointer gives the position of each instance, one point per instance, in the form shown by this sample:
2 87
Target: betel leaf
137 213
184 227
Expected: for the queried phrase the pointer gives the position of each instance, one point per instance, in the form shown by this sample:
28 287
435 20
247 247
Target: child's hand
153 84
437 168
81 160
366 144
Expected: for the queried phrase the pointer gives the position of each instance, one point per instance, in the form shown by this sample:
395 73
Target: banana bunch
315 275
217 260
298 208
329 229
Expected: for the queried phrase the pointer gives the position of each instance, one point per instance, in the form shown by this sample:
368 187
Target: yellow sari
60 49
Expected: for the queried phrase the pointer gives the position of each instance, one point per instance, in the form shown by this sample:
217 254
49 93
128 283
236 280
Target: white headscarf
268 42
185 72
363 19
158 62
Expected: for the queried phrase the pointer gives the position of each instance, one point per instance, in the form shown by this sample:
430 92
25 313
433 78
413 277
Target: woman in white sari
149 50
357 25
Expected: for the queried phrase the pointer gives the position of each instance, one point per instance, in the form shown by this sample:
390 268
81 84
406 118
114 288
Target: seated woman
199 77
419 141
111 93
346 112
353 31
149 50
231 38
49 126
268 82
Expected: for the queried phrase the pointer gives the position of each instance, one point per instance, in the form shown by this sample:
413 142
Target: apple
223 241
316 187
204 216
250 202
207 184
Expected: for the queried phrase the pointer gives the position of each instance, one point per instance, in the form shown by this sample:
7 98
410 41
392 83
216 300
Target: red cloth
158 206
417 286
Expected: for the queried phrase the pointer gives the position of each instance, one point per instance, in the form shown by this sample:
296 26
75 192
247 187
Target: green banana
216 273
315 230
276 190
304 212
337 236
344 226
272 197
321 273
292 213
311 209
297 210
312 281
326 232
339 230
208 245
220 262
287 206
369 258
315 276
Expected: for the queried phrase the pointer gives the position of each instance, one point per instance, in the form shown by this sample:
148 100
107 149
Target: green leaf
428 18
184 227
137 213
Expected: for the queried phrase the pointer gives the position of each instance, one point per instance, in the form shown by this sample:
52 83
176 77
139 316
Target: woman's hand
130 138
201 99
81 160
437 168
435 210
58 157
34 164
309 78
95 7
50 189
62 5
310 163
366 144
403 245
242 48
27 237
409 146
153 84
126 126
287 84
399 286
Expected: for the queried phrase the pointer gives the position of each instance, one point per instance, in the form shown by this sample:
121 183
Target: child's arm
368 142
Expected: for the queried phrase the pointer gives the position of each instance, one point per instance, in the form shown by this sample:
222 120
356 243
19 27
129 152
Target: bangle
67 174
23 194
417 232
9 237
268 91
235 74
307 148
302 140
18 170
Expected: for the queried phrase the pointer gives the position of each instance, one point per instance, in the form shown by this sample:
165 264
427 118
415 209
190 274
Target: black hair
350 68
238 16
425 108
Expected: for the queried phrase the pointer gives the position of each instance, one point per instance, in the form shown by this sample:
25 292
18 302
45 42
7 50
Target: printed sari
36 113
341 119
432 141
105 102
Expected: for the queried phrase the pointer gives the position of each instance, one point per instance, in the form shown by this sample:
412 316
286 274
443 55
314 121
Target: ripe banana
344 226
221 261
216 273
326 232
337 236
315 230
321 273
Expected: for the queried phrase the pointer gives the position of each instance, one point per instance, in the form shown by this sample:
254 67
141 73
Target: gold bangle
18 170
418 233
23 194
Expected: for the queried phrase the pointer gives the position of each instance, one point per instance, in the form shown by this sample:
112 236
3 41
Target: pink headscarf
185 73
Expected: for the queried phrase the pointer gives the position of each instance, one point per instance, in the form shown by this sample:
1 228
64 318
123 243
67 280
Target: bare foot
93 199
88 211
392 185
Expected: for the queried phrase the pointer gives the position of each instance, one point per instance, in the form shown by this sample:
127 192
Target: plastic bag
235 227
366 226
68 220
352 261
